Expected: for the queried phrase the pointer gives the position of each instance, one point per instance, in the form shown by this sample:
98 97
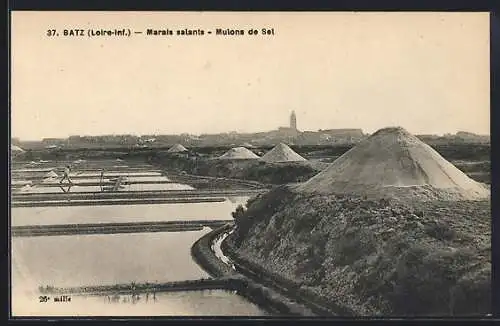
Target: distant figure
102 179
66 172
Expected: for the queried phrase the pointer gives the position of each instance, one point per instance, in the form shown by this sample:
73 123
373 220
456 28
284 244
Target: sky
426 72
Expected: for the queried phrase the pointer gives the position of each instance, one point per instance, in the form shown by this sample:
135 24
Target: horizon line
235 132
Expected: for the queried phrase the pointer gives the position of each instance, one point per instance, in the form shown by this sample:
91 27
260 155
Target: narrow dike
262 295
211 182
136 288
120 201
112 228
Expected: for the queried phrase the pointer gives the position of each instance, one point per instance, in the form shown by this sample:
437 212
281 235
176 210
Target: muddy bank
251 170
263 296
203 182
204 256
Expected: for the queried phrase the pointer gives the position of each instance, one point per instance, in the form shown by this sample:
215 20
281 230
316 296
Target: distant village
290 135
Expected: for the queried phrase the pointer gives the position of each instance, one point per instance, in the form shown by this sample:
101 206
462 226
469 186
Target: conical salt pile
282 153
177 148
51 174
392 162
239 153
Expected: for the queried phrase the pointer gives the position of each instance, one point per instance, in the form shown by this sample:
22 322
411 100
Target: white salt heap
26 188
15 148
51 174
282 153
239 153
177 148
392 162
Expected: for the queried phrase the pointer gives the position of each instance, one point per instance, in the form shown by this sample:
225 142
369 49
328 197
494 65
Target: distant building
355 133
51 143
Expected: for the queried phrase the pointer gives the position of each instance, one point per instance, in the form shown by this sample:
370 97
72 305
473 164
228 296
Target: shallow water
117 258
75 181
153 186
32 170
216 248
21 182
45 189
146 179
125 213
75 188
76 260
182 303
117 173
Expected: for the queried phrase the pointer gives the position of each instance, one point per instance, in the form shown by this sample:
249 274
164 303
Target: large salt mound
282 153
394 163
177 148
239 153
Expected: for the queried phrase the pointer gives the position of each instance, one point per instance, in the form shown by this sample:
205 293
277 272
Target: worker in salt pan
102 179
66 172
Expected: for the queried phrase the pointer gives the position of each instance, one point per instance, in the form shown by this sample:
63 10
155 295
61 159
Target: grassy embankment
373 257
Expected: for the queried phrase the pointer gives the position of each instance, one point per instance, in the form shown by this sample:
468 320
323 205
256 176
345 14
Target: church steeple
293 121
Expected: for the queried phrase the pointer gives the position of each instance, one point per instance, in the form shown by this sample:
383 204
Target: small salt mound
26 188
15 148
177 148
51 174
392 162
282 153
239 153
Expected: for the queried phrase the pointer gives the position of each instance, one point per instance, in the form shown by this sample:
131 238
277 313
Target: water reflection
89 260
131 298
182 303
65 189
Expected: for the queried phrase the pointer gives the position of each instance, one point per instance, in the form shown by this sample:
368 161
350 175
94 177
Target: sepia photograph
250 164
